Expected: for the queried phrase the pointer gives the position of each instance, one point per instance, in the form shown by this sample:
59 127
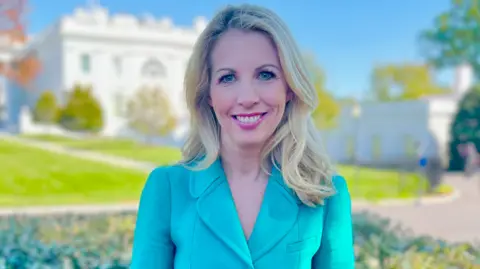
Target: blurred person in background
472 160
254 188
430 163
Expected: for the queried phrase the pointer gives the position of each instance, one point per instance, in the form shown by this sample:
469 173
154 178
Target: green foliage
328 108
105 242
82 111
402 82
46 109
150 113
70 241
453 38
380 245
465 126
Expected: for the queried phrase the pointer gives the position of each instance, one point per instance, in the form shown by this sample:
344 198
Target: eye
227 78
266 75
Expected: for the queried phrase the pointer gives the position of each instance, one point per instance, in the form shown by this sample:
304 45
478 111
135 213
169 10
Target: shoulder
341 199
168 177
171 172
339 183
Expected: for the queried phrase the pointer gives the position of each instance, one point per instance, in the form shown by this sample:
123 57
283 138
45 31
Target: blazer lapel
276 218
217 210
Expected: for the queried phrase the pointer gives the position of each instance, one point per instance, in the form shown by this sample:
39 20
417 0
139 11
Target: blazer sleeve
152 244
336 249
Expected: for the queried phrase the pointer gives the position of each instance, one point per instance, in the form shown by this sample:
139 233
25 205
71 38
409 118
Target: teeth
248 119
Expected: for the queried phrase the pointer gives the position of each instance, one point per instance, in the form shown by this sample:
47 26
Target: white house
395 133
115 54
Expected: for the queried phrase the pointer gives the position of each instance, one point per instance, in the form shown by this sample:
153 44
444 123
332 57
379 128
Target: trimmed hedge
104 242
82 112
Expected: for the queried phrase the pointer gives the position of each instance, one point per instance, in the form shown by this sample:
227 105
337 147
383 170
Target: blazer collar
201 180
216 208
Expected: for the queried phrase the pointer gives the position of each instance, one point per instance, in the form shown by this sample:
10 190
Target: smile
249 121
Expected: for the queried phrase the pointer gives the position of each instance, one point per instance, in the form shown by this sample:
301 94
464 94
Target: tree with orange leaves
21 69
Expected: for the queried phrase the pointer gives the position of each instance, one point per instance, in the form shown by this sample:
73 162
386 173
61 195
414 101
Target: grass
31 176
366 183
373 184
119 147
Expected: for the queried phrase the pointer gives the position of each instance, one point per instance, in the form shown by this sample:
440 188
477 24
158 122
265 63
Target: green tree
150 113
453 38
465 127
328 109
82 111
403 82
46 109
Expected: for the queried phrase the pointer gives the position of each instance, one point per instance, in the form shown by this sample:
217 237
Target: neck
241 162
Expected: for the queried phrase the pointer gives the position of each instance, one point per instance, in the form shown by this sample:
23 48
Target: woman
253 189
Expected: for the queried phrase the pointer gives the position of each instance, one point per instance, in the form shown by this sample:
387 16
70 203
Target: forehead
237 48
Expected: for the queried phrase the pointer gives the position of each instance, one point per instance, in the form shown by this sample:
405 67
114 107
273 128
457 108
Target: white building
395 133
115 54
7 50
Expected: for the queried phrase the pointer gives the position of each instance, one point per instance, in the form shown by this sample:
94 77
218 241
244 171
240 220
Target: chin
249 140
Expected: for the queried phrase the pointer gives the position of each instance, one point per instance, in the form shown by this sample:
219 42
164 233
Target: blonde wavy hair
295 147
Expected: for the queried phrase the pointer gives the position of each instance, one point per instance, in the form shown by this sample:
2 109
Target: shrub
380 245
82 111
104 242
150 113
69 241
46 109
465 127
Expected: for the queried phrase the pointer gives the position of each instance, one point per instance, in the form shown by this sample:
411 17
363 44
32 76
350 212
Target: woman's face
248 91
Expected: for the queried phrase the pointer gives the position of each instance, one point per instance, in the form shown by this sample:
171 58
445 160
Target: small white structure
7 50
391 133
115 54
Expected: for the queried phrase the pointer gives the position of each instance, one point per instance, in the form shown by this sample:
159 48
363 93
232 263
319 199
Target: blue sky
348 37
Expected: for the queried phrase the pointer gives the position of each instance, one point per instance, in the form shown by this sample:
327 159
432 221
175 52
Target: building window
153 68
376 147
3 102
119 105
117 65
85 63
350 147
3 95
410 146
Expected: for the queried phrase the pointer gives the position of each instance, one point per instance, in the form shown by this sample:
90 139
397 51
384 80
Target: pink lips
249 121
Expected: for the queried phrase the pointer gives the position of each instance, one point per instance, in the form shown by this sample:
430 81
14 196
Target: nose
247 95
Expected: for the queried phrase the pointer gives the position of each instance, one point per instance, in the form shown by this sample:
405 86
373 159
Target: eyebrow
256 69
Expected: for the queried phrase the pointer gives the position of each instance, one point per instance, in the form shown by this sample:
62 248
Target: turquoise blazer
187 220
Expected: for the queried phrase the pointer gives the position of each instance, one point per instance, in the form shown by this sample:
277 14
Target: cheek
275 94
219 101
275 99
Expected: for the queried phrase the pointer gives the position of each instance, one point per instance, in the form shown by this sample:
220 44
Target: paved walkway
83 154
458 220
68 209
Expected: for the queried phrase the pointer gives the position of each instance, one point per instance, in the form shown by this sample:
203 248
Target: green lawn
370 184
374 184
119 147
32 176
